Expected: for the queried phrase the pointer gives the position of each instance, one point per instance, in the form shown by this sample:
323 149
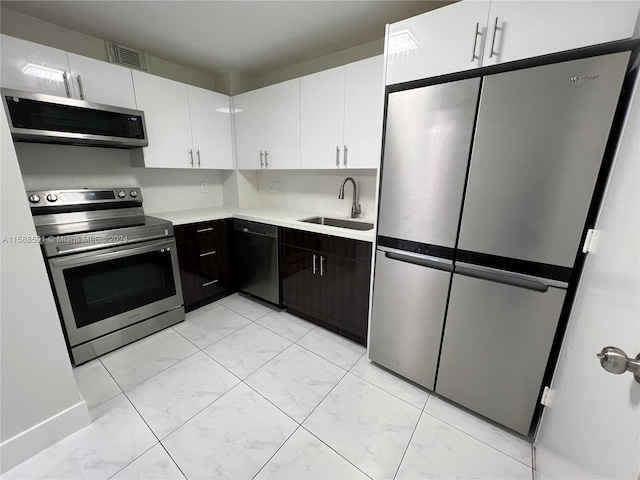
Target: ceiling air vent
127 57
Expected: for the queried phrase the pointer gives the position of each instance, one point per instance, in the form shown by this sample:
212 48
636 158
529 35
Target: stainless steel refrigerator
485 188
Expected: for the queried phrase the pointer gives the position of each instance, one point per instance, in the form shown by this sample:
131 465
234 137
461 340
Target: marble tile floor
241 390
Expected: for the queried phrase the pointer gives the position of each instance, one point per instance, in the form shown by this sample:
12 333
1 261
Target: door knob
614 360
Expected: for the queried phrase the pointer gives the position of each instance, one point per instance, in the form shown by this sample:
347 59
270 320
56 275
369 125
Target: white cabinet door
530 28
102 82
34 68
445 40
166 107
282 125
249 130
210 128
363 110
322 118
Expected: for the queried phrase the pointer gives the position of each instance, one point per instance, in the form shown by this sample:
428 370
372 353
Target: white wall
64 166
317 190
39 401
591 429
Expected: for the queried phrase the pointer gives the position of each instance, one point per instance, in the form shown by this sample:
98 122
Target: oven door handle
101 256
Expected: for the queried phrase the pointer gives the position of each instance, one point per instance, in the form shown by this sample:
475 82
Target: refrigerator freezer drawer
426 154
409 304
539 143
496 346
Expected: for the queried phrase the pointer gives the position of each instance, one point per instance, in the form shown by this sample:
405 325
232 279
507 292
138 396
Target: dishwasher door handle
270 235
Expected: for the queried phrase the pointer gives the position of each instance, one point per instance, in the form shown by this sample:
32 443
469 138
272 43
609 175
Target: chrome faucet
355 206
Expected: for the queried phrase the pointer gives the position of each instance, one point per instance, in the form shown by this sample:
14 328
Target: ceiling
251 37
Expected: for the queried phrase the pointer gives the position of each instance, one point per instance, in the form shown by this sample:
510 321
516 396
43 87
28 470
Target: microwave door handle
95 257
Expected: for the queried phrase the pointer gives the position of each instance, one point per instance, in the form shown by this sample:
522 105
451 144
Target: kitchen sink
336 222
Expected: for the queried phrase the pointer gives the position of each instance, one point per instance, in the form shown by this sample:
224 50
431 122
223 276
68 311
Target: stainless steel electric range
114 270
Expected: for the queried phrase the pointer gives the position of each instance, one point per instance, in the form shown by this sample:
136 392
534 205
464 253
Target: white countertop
281 217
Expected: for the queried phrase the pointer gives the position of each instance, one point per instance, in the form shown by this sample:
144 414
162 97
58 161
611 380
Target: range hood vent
127 57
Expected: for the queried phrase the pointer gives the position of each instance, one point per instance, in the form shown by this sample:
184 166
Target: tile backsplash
317 190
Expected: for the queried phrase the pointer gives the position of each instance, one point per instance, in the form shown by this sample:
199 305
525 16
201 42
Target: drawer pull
202 230
205 254
209 283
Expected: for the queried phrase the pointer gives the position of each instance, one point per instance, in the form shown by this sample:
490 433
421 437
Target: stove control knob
121 194
52 197
133 193
34 198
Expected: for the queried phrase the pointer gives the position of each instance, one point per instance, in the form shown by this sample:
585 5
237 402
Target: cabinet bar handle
198 154
337 156
67 87
321 265
206 254
475 42
314 264
493 40
209 283
266 159
204 230
345 156
261 161
191 156
80 87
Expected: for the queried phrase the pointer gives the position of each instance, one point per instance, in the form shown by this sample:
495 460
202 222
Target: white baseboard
25 445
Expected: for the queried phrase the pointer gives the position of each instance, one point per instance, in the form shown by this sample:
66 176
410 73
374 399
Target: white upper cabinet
101 82
210 128
471 34
268 127
363 111
35 68
249 130
166 110
524 29
322 119
446 40
341 116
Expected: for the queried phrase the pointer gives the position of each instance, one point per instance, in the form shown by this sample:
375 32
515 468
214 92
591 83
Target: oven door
103 291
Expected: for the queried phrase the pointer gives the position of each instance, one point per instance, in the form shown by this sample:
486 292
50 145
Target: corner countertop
281 217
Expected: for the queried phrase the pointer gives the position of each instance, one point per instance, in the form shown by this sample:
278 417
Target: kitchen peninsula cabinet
325 280
472 34
203 256
184 126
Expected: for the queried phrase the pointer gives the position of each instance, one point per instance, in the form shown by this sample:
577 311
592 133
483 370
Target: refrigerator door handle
508 278
418 259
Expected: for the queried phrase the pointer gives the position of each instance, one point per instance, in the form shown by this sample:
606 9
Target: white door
363 110
210 128
441 41
322 119
249 130
102 82
591 427
34 68
530 28
166 112
282 125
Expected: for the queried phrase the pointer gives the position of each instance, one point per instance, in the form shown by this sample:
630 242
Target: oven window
102 290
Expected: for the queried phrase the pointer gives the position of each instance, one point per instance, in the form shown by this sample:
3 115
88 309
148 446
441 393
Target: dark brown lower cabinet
326 280
203 256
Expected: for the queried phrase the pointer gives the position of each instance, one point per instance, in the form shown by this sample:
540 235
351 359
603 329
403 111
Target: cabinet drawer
196 231
199 255
197 286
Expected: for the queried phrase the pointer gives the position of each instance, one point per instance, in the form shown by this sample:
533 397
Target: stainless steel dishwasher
256 255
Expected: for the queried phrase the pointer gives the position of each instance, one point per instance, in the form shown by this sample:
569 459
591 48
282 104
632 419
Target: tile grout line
408 445
125 466
477 439
274 453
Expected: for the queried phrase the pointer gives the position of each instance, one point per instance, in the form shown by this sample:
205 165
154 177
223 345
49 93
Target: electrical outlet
204 188
273 187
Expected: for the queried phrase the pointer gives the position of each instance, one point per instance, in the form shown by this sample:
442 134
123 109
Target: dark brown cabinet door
300 280
345 296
